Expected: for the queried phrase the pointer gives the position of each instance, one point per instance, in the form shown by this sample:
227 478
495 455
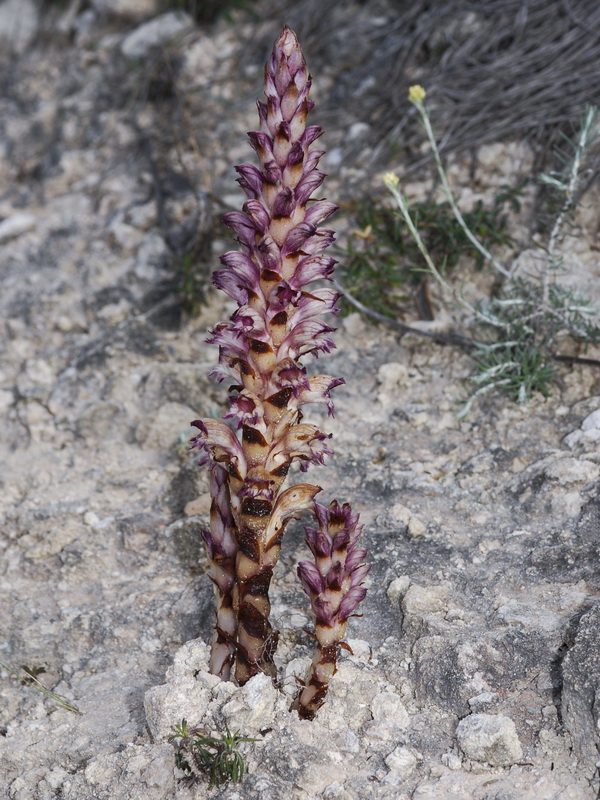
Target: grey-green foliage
515 333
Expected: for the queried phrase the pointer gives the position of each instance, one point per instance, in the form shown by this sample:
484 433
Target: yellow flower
367 233
416 93
391 179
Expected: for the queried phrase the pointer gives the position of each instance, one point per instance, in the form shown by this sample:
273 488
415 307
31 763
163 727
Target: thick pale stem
322 669
256 640
261 532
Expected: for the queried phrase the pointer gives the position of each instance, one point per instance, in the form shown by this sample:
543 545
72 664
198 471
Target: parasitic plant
260 350
334 586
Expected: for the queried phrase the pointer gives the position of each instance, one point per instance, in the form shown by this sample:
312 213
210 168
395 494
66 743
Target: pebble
156 33
402 516
489 738
572 470
354 324
592 421
483 701
452 761
420 600
335 791
19 20
388 707
401 761
15 225
398 588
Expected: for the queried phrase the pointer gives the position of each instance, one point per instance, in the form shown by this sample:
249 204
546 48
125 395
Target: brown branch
444 338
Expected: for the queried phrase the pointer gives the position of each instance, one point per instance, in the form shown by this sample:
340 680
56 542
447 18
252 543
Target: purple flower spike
279 320
334 596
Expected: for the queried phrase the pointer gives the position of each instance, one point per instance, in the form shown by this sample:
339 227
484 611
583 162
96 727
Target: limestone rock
19 21
420 600
581 690
489 738
387 707
15 225
156 33
132 9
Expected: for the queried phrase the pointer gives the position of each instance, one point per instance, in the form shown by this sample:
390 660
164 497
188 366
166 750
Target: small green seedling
199 753
28 677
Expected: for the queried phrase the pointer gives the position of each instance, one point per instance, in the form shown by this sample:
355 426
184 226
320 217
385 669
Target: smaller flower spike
334 584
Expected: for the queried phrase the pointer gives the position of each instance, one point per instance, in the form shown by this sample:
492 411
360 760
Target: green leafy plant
516 332
189 283
199 753
382 262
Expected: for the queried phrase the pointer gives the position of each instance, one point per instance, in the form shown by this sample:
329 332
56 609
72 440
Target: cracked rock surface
474 668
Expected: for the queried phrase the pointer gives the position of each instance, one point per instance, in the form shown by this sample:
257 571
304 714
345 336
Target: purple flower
278 321
339 561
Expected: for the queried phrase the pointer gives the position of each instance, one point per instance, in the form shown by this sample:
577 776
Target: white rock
155 33
572 470
335 791
18 24
253 706
7 398
489 738
483 701
361 650
425 600
530 616
399 514
15 225
192 658
388 707
91 518
168 704
392 375
397 588
349 699
452 761
354 324
416 528
358 130
134 9
592 421
56 777
401 762
151 256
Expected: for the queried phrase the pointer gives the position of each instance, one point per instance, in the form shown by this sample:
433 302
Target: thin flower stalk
260 350
416 95
392 182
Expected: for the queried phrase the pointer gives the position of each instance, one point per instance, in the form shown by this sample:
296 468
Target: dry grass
494 69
